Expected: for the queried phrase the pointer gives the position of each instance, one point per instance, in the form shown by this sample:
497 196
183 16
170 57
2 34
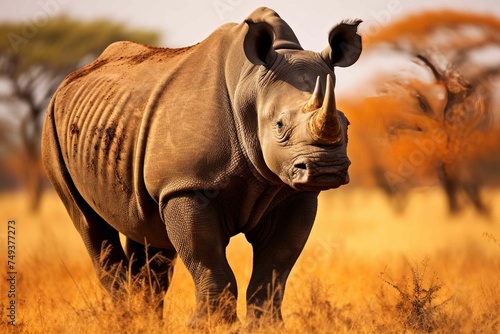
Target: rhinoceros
181 149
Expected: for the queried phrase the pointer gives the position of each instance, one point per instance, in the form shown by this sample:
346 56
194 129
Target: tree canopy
413 138
421 29
63 41
34 59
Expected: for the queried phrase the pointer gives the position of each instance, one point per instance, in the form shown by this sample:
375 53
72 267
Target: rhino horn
316 99
324 125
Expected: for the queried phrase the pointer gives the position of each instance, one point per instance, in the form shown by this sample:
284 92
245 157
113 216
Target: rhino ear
345 44
258 44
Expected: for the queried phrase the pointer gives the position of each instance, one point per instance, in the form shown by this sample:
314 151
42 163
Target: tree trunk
34 183
31 134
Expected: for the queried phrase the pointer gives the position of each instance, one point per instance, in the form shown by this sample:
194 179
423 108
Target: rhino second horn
316 99
324 124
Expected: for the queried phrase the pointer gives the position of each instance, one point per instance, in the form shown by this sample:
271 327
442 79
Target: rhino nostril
300 166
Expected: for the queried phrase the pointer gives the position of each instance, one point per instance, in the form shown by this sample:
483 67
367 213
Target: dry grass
339 285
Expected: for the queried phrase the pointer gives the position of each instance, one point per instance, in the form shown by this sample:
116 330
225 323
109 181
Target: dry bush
416 304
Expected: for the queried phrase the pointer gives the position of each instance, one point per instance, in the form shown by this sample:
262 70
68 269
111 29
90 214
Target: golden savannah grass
365 269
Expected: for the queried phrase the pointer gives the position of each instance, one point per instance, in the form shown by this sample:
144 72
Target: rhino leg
102 243
153 265
197 233
101 240
104 247
277 242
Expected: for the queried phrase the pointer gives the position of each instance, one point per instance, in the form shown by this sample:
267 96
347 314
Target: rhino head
302 135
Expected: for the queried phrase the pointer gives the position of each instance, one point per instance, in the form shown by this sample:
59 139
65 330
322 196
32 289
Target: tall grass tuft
417 298
319 311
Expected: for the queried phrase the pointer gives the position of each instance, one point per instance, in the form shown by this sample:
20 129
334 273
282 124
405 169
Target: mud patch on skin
111 141
95 136
121 184
119 146
74 129
107 139
153 51
95 132
91 166
119 137
85 70
109 135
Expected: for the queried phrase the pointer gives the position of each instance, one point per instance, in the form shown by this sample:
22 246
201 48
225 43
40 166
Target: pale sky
187 22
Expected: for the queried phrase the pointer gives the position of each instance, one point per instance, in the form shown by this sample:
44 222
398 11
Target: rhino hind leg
102 243
153 267
101 240
104 247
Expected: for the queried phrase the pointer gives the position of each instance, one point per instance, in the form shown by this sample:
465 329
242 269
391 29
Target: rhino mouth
318 176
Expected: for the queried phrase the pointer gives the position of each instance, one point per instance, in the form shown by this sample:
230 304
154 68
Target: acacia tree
462 39
460 46
34 62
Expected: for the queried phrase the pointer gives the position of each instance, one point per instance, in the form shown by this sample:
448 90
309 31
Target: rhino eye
282 132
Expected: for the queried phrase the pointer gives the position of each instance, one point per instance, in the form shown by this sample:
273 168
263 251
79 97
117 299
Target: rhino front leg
197 233
277 242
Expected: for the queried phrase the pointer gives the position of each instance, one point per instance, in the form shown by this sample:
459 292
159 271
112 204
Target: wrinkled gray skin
184 148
